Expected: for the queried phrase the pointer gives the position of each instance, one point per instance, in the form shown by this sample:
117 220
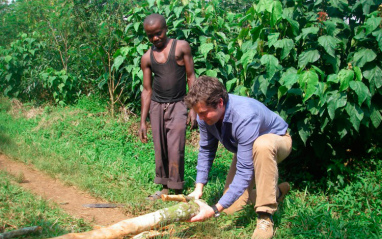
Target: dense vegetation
84 146
317 63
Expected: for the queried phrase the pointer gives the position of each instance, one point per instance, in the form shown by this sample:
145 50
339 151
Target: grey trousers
168 124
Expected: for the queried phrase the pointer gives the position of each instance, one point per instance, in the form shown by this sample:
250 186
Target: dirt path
68 197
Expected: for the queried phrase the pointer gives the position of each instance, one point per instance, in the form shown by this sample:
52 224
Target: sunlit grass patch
19 209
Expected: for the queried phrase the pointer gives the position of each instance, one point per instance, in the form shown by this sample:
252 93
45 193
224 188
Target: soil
68 198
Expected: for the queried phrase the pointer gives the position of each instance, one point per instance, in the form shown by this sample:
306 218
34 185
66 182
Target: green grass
83 146
19 209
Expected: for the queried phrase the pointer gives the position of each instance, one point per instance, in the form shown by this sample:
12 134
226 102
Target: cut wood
177 198
130 227
20 232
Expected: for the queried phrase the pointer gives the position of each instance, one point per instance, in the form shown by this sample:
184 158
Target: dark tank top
169 84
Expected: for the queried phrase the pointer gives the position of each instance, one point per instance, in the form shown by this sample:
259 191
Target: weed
20 178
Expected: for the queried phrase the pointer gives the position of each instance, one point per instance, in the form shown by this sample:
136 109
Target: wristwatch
217 213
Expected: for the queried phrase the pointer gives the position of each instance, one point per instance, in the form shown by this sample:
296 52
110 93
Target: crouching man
259 140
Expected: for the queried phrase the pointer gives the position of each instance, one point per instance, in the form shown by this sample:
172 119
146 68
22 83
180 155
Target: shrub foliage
317 63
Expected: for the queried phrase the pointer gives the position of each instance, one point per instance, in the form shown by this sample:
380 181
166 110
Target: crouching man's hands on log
198 191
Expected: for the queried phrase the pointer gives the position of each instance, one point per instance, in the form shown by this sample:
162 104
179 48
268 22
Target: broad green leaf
308 57
222 36
229 84
304 130
312 106
330 27
281 91
378 36
247 58
288 79
125 50
264 84
306 31
264 5
358 73
8 58
362 92
221 58
355 113
329 43
374 75
324 123
142 48
277 12
177 23
334 61
61 87
159 3
206 48
375 117
345 76
286 45
333 78
308 82
178 11
363 56
186 32
294 24
136 26
272 38
8 77
335 101
271 63
341 5
371 24
151 2
211 73
118 62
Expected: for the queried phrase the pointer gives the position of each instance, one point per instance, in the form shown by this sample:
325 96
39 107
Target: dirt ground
69 198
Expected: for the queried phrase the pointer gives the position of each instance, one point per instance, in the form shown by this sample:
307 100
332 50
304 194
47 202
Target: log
20 232
133 226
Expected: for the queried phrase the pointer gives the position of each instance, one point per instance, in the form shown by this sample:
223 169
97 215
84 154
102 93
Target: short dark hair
153 18
208 90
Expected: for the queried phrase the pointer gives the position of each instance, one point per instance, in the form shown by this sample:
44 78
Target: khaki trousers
268 151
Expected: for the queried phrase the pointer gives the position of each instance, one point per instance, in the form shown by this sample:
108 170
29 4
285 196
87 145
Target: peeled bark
130 227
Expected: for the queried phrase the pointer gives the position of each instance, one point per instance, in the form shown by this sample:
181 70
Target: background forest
317 63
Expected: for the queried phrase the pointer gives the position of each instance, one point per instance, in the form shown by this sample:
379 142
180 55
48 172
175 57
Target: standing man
259 140
167 67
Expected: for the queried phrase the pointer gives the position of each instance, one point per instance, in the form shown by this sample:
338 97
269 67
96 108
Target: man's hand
143 133
196 194
191 119
198 191
205 212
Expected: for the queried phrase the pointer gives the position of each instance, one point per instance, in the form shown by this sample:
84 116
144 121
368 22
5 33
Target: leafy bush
60 85
19 65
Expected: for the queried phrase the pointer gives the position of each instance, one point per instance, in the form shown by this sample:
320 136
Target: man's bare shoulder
182 43
146 57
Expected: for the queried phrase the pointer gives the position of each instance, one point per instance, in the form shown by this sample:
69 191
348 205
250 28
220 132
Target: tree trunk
130 227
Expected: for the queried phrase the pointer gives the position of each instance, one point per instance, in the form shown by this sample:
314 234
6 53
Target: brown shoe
264 227
283 190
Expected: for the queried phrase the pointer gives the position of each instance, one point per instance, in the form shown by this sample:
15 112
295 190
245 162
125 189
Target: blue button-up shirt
244 120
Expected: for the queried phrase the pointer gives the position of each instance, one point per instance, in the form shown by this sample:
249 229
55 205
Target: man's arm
145 96
189 65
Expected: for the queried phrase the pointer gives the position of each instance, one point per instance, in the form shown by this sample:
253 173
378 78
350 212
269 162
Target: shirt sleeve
246 132
208 145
